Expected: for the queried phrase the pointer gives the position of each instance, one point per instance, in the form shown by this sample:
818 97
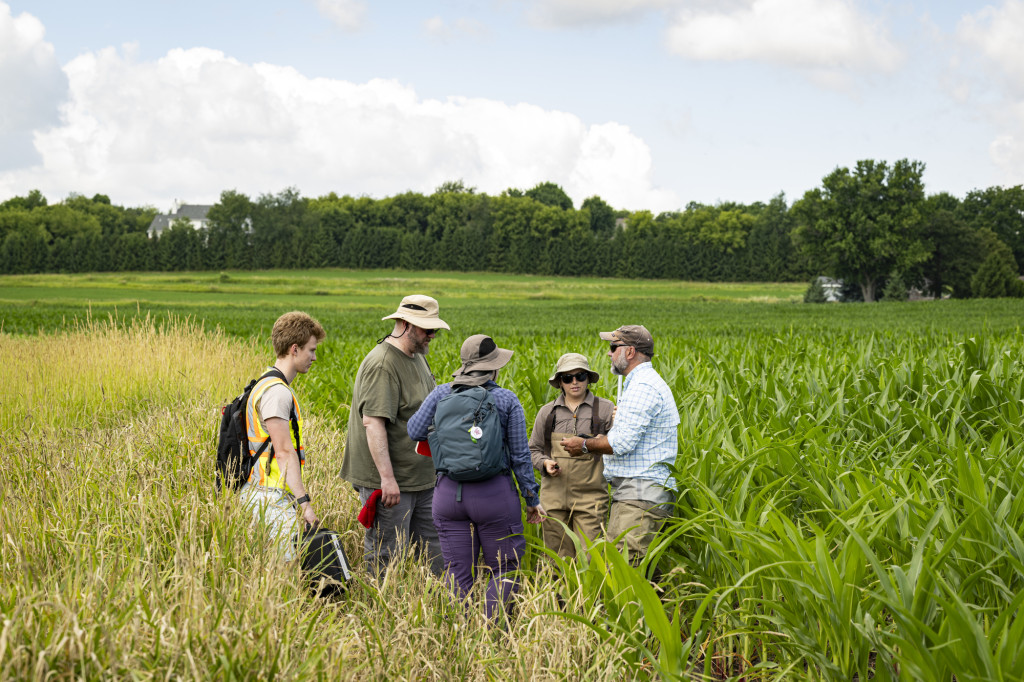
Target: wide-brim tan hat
419 311
480 353
569 362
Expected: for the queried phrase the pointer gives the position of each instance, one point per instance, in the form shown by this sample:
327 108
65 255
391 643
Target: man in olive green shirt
392 381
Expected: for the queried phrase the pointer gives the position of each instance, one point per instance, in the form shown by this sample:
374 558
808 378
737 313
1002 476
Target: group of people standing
580 444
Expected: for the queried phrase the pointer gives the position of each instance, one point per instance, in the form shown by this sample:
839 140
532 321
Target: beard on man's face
420 339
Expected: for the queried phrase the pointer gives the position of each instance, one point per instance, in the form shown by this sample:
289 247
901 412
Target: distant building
194 213
832 289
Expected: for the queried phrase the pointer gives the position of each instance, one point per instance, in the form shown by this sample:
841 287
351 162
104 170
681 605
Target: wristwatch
301 500
584 447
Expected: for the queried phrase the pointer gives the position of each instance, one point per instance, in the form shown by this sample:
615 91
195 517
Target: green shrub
815 292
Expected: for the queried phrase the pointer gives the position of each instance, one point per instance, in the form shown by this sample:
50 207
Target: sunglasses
578 376
615 346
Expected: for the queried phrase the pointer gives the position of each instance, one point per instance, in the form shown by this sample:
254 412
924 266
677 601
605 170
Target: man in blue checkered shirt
643 440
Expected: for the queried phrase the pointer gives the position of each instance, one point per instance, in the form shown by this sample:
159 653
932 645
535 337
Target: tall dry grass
118 561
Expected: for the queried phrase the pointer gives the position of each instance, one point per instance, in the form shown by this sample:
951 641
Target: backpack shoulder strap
295 427
272 373
275 373
549 424
602 411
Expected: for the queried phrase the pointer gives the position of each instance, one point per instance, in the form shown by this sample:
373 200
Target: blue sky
650 104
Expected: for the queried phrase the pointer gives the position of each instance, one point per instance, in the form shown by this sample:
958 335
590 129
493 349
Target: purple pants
492 507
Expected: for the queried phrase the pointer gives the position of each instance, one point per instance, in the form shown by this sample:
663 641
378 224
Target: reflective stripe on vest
258 435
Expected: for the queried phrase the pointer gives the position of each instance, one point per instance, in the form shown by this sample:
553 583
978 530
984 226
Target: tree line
871 226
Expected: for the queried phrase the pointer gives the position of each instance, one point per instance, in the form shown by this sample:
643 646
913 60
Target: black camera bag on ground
324 562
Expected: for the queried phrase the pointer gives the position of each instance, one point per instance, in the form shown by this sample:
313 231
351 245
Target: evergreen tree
997 277
895 289
815 292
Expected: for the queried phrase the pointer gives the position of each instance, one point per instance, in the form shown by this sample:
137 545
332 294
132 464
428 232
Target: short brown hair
294 328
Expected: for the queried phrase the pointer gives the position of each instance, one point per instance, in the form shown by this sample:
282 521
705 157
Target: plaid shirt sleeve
514 422
420 422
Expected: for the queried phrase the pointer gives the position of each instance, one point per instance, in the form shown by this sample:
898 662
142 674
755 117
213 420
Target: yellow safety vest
267 472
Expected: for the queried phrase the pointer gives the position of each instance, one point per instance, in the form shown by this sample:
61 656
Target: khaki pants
276 508
578 497
639 519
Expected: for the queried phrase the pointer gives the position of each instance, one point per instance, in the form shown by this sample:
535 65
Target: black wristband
303 499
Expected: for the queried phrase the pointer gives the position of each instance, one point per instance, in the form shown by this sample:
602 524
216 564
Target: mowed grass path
369 286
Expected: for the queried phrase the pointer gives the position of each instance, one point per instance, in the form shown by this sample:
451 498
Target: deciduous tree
955 249
230 222
864 224
1000 209
602 217
550 194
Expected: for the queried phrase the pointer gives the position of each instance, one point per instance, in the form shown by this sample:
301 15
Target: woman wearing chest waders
573 490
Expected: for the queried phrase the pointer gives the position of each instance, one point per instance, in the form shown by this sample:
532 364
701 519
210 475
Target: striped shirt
513 423
644 437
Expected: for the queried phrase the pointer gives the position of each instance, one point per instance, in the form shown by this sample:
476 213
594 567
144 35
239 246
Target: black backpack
233 461
466 439
324 563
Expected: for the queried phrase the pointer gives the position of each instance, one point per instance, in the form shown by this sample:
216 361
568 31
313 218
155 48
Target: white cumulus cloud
998 34
440 30
196 122
571 13
995 33
32 86
347 15
811 34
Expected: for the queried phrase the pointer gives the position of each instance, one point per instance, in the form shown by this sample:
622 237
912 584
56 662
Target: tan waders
577 496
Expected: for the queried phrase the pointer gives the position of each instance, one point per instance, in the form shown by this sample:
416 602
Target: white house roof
195 213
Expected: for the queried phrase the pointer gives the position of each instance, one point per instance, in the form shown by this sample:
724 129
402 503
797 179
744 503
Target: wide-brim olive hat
569 362
419 311
480 353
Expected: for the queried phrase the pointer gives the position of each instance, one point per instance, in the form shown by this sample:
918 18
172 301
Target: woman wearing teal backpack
483 515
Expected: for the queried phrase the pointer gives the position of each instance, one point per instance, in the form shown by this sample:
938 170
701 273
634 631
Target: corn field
851 503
